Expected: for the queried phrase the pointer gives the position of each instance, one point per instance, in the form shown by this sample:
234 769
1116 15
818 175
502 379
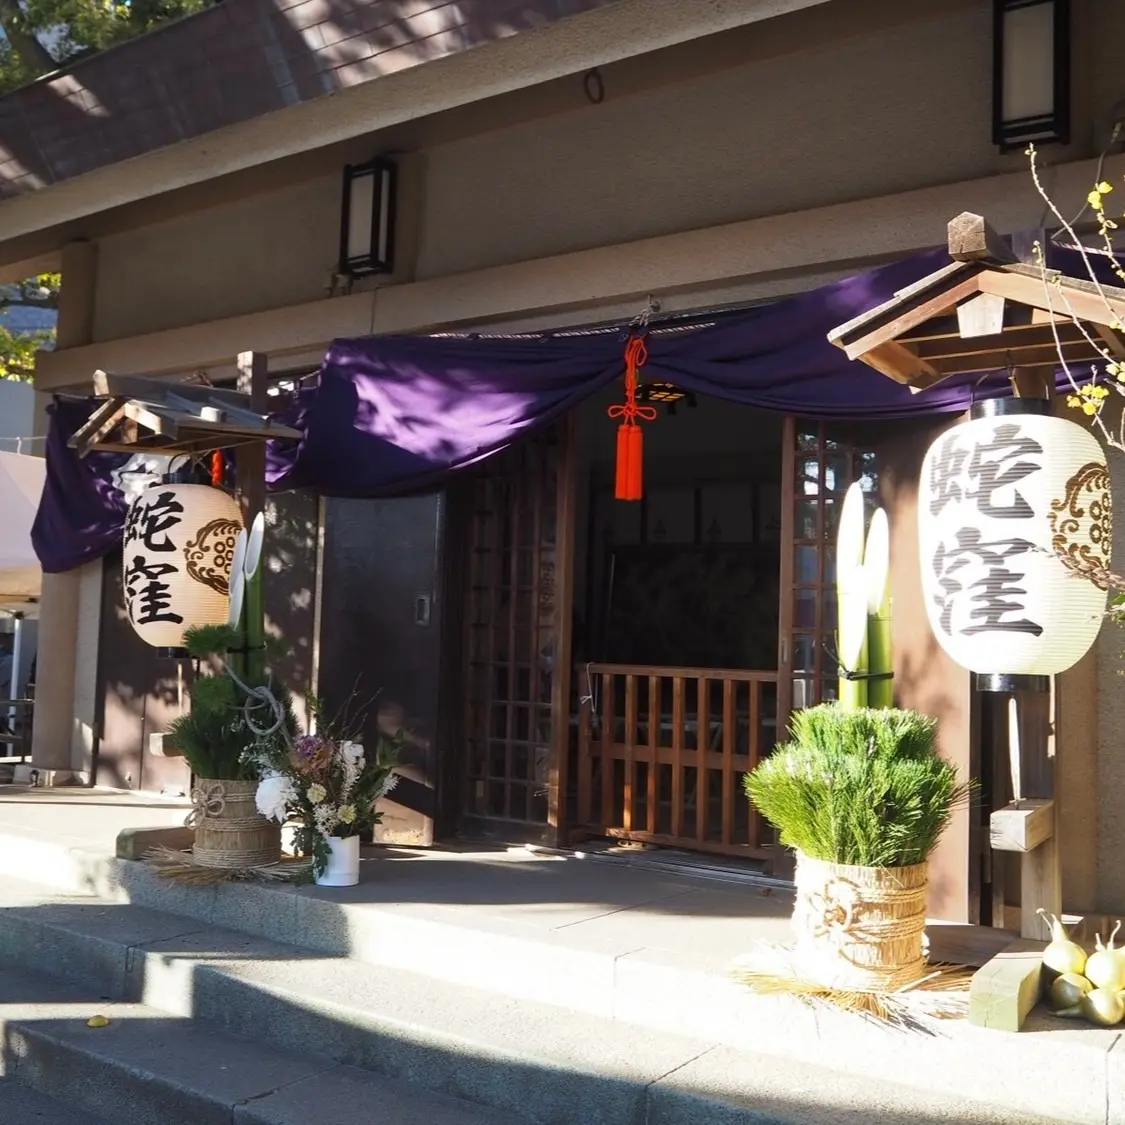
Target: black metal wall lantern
367 220
1030 72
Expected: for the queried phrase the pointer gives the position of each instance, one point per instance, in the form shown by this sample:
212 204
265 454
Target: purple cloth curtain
81 514
394 414
390 415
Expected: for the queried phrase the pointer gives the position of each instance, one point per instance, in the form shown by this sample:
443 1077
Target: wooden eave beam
1014 340
103 419
154 390
152 420
1061 295
907 317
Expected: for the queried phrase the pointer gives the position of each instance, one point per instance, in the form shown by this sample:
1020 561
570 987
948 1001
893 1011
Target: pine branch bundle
863 787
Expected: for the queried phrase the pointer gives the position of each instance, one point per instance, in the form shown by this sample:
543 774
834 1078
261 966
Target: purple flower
307 746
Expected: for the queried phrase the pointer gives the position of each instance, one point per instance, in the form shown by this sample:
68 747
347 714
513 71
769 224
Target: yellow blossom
346 815
317 793
1104 187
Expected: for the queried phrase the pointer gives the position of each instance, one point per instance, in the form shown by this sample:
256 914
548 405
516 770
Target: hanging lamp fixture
665 394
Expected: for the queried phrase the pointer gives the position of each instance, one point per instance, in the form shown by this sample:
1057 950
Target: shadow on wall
141 693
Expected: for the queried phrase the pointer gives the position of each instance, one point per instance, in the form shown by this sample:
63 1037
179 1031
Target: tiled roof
235 61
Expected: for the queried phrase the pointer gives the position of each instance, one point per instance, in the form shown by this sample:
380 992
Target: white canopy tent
21 485
21 580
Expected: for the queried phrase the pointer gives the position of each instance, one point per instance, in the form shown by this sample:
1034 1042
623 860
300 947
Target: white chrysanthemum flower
351 749
324 818
274 795
317 793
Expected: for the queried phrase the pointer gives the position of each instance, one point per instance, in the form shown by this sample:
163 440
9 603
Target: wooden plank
949 346
158 423
743 675
785 574
565 520
1005 989
962 943
250 462
970 239
1076 299
729 732
153 390
103 419
1022 828
585 761
1040 885
982 315
678 757
1111 339
654 750
608 739
702 746
519 494
753 737
745 851
897 321
534 681
666 756
1043 355
630 749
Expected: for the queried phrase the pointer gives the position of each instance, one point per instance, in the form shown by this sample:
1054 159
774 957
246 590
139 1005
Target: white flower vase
343 863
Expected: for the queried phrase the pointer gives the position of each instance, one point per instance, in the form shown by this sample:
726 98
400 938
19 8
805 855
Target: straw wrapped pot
229 831
860 929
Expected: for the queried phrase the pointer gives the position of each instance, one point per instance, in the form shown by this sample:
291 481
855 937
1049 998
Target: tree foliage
43 35
40 36
18 344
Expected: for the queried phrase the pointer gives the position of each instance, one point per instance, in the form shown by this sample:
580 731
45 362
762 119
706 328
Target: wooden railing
662 752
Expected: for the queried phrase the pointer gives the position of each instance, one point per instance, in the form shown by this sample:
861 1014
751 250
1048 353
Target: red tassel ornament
629 477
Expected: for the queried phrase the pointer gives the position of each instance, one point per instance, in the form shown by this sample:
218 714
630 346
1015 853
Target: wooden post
250 474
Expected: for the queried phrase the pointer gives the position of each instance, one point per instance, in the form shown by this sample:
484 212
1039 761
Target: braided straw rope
229 831
860 928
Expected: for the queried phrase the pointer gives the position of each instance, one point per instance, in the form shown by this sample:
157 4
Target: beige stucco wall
883 112
275 249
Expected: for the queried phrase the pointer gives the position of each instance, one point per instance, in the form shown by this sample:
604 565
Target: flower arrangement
329 783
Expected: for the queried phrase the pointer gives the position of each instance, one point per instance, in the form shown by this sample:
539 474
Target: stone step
554 1065
148 1067
21 1105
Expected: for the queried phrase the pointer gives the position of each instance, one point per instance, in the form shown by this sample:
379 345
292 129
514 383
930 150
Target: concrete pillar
66 691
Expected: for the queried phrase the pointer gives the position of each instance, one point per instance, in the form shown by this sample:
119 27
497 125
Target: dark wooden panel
380 639
289 586
140 695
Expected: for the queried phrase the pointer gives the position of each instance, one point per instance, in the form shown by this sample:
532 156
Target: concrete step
21 1105
555 1066
148 1067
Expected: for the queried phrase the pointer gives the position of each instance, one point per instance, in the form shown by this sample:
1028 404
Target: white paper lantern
1015 532
179 544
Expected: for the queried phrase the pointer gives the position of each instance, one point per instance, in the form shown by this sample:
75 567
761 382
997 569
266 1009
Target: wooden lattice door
821 460
518 640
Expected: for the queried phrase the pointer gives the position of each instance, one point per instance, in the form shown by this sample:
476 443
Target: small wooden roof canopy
983 312
170 418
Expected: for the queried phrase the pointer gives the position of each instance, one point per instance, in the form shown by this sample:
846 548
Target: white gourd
1103 1007
1068 990
1062 955
1105 968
